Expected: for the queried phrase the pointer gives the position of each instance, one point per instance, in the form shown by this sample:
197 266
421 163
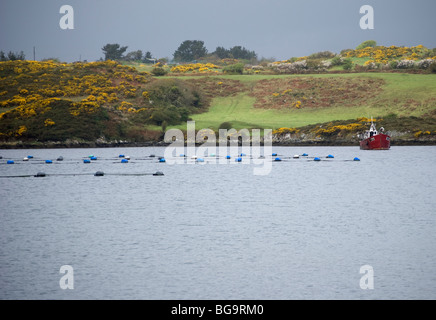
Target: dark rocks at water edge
398 141
77 144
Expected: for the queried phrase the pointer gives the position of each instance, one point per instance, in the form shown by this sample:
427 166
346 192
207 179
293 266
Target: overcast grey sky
273 28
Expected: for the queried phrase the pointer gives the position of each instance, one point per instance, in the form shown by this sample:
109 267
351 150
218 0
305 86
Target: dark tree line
11 56
236 52
188 51
191 50
116 52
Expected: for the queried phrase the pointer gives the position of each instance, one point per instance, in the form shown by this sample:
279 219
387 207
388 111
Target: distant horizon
278 29
171 59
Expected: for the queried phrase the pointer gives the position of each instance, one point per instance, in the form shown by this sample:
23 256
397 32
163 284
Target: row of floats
238 158
275 157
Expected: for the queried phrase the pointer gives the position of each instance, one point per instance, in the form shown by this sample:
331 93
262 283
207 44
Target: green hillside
344 96
107 102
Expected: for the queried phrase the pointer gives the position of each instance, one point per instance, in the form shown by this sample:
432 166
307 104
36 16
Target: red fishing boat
374 140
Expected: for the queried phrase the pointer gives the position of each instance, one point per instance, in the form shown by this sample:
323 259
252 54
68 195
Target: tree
134 56
366 44
190 50
222 53
113 51
238 52
11 56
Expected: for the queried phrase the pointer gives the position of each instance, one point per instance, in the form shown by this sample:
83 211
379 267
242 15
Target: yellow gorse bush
48 122
330 130
30 86
194 67
21 130
382 54
283 131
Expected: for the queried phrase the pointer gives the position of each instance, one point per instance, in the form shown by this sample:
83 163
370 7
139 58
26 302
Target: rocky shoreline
120 144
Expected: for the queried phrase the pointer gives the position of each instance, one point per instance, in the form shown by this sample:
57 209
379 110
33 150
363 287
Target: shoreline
91 144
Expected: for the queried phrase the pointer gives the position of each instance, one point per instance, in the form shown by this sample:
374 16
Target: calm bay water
218 231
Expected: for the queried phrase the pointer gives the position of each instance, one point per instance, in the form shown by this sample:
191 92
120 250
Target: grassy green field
401 94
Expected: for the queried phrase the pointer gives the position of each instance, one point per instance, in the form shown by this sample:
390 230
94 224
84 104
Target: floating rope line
97 174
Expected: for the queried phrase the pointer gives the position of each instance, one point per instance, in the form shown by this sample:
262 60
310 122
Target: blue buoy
162 160
304 155
274 154
228 157
317 159
330 156
277 159
182 155
243 154
121 156
48 161
356 159
200 160
86 161
124 161
93 158
10 162
239 159
29 157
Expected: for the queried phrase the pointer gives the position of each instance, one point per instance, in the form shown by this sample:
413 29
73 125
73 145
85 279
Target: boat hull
376 142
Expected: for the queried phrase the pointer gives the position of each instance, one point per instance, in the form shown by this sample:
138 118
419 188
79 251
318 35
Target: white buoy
296 156
194 157
26 159
127 157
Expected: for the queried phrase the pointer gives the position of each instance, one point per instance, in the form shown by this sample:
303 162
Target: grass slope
401 94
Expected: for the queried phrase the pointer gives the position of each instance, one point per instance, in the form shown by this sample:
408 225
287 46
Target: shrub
425 64
336 61
159 72
432 67
393 64
314 64
226 125
237 68
290 67
406 64
347 64
366 44
322 55
173 100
